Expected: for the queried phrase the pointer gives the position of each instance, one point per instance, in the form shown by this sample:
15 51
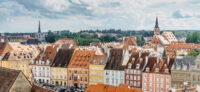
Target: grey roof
185 61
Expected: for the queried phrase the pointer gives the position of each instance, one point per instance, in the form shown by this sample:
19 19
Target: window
134 83
134 77
127 82
131 77
127 71
107 80
85 78
112 81
107 73
131 71
85 72
127 77
137 66
138 84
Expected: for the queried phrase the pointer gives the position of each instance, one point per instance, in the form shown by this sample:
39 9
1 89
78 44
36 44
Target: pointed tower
156 28
39 30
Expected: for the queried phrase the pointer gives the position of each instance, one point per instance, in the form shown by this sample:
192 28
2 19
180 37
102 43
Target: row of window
133 71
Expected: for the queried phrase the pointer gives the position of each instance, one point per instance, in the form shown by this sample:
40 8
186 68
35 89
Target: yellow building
18 61
96 74
59 67
96 70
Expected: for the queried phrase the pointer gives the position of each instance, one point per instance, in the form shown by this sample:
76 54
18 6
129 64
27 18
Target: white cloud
102 14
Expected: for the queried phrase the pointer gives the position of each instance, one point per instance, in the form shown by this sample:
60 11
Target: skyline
76 15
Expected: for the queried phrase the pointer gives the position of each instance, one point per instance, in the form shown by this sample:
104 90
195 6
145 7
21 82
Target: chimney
168 60
157 59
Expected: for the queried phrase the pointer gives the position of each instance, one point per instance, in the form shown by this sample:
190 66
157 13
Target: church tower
39 30
156 28
40 35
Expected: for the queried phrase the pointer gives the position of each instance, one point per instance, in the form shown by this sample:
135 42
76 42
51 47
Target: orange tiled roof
48 54
155 40
173 47
66 41
81 58
109 88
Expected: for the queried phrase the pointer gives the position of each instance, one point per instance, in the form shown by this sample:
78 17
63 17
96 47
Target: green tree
194 53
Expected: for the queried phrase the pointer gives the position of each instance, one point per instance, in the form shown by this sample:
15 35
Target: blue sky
74 15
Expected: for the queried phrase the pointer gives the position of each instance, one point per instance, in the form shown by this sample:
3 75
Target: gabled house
134 69
59 67
114 71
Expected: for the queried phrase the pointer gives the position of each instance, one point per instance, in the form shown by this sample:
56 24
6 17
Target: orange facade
78 69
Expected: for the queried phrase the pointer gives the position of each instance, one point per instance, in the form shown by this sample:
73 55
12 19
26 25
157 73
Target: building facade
78 69
59 67
134 69
156 76
114 71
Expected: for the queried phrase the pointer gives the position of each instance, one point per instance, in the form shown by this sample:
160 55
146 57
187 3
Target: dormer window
137 66
133 59
166 70
147 69
157 70
129 65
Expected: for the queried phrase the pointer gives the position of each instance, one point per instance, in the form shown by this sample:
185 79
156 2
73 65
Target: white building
113 77
114 71
41 71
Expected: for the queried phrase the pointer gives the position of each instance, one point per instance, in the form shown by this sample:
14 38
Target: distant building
59 67
180 48
13 81
129 42
66 41
40 35
165 39
114 71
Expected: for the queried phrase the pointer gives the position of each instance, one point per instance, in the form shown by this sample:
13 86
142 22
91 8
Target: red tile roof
81 58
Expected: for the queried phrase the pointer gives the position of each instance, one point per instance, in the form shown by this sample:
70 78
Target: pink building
156 76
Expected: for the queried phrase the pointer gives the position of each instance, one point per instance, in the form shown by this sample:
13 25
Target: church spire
39 30
156 26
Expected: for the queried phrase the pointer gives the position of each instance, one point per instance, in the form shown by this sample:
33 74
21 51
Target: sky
76 15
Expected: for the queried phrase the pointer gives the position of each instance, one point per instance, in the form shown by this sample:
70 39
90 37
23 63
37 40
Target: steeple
156 24
156 28
39 30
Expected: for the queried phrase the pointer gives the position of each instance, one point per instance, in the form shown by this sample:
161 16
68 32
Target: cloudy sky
23 15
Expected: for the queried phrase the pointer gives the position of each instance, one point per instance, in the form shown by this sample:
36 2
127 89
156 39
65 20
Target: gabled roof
7 78
47 54
155 40
115 60
129 41
136 58
81 58
62 58
4 48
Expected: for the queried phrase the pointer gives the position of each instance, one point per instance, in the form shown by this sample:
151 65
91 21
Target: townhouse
96 69
114 71
156 76
40 66
78 68
59 67
134 69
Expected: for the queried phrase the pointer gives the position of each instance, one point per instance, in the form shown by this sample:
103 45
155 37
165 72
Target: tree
193 38
194 52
